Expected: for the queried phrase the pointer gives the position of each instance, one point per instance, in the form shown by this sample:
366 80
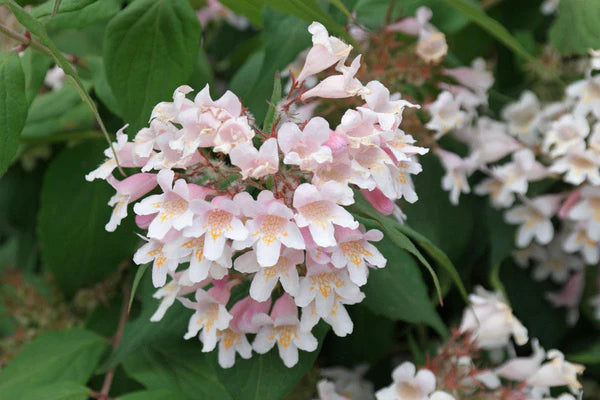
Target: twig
108 378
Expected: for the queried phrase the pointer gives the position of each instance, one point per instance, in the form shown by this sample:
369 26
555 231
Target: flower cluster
559 143
477 362
263 213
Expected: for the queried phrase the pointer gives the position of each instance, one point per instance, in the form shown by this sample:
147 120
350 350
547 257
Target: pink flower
319 210
200 268
534 219
256 163
161 264
269 225
387 109
570 296
305 148
355 253
326 51
339 86
180 285
338 317
128 190
380 203
173 206
477 77
219 221
282 327
167 111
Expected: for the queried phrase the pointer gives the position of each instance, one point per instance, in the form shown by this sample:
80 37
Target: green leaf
493 27
54 357
398 291
149 49
158 394
76 13
35 65
576 28
251 9
13 107
285 37
57 112
73 212
101 86
139 274
591 355
63 390
275 97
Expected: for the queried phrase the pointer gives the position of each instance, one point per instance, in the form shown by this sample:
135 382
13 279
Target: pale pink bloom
408 384
412 25
403 185
578 164
231 133
580 241
192 249
476 77
226 107
523 118
326 391
588 210
355 253
401 145
387 108
172 206
491 321
440 395
359 128
126 154
233 339
446 114
325 51
269 225
466 98
557 372
305 148
161 137
282 327
198 129
338 317
377 199
572 200
143 221
167 111
381 169
552 261
343 170
180 285
55 78
567 131
218 221
146 139
534 219
339 86
319 210
211 314
323 283
587 95
256 163
314 252
265 279
569 296
152 250
457 169
128 190
214 11
594 139
491 141
521 368
432 46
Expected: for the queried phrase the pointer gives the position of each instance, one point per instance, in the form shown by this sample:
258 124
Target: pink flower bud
382 204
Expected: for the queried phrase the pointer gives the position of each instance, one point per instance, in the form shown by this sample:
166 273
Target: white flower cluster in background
558 143
264 213
453 374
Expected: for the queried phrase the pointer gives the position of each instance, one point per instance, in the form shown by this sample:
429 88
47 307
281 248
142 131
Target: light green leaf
76 13
275 97
35 66
54 357
149 49
73 212
576 28
13 107
158 394
101 86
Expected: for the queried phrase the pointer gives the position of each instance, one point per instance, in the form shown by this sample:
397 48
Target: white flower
408 385
326 391
523 118
587 211
567 131
455 179
153 251
491 321
200 266
587 94
445 114
55 78
256 163
534 219
578 164
338 318
230 343
555 263
557 372
350 382
180 285
521 368
579 241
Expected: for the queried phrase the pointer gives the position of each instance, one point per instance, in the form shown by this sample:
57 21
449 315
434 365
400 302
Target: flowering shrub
293 200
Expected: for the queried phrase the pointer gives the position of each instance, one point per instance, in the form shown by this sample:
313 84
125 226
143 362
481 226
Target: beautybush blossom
264 214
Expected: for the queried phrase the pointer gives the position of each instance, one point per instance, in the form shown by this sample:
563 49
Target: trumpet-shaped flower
152 250
355 253
557 372
256 163
305 148
339 86
534 219
408 384
200 267
578 164
128 190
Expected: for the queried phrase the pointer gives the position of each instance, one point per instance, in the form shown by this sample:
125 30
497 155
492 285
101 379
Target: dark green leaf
139 274
251 9
59 356
63 390
158 394
73 212
275 97
35 66
101 86
576 27
150 49
589 356
13 107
